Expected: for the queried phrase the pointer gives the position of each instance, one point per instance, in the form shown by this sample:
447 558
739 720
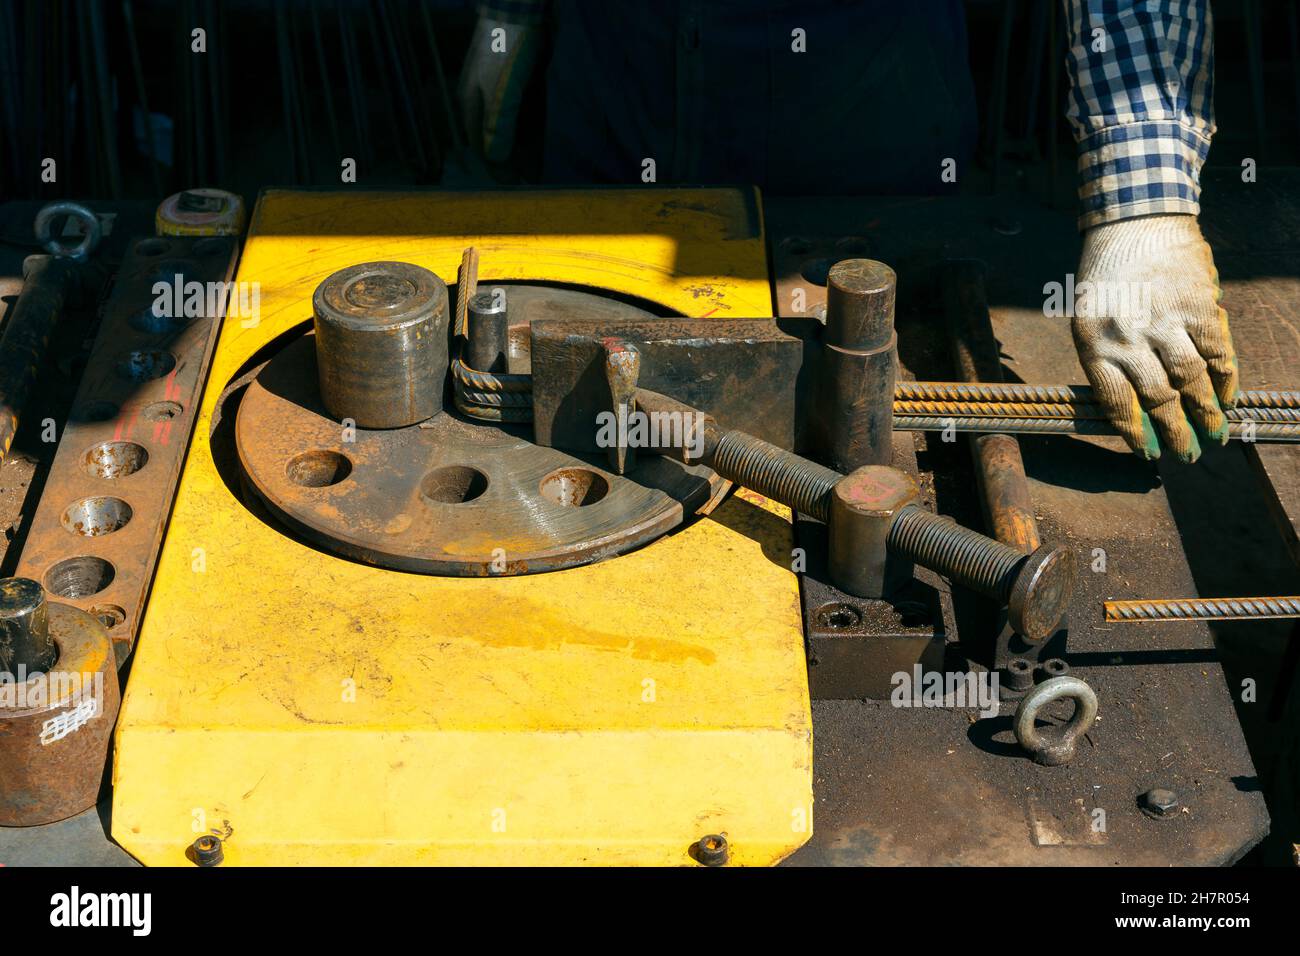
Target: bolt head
1041 593
1160 801
207 850
712 850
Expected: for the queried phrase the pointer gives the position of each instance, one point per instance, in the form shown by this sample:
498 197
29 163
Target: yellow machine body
314 710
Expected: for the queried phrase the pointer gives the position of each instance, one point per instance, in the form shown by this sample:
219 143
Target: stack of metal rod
1065 409
481 386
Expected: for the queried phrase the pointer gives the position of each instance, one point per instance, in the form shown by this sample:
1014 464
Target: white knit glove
496 71
1151 336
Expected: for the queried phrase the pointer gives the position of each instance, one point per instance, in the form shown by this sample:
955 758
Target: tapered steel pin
622 369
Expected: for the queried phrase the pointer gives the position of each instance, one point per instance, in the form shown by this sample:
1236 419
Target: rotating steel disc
446 496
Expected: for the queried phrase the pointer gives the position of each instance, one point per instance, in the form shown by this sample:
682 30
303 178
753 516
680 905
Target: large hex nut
864 504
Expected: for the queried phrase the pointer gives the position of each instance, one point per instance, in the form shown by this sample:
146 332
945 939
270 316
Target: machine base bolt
1019 674
207 850
711 850
1053 667
1159 802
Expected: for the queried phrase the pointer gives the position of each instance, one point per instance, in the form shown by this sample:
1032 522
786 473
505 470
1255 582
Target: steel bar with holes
1202 609
95 535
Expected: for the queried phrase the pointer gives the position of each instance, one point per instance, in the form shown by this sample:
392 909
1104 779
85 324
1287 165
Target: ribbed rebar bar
1020 393
1211 609
993 392
776 473
962 554
1257 414
964 409
1252 431
1264 398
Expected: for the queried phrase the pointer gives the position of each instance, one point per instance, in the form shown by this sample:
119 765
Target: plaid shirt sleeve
1141 104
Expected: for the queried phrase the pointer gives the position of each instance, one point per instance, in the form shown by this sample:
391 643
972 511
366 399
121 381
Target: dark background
288 87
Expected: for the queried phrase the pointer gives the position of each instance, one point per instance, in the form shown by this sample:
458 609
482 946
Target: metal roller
382 343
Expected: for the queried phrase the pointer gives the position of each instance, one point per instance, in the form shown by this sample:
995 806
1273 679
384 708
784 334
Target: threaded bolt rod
962 554
958 553
776 473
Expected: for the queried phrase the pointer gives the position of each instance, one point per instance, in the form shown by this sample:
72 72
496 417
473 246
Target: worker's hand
1151 335
497 66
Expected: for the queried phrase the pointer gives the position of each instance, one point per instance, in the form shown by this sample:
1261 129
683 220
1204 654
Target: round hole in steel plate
836 616
79 577
152 247
144 365
453 484
110 615
150 323
912 613
95 411
114 459
211 246
100 515
161 411
817 270
574 487
318 469
170 270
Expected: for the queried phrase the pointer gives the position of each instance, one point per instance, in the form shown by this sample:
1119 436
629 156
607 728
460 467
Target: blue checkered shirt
1141 104
1141 100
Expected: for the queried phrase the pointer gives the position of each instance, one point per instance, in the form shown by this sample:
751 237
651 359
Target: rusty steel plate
95 535
446 496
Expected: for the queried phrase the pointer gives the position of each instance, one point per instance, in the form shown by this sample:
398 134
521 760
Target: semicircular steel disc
446 496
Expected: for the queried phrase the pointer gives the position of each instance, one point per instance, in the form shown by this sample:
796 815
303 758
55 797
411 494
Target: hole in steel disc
146 364
79 577
816 271
796 245
115 459
110 615
92 517
836 616
574 487
453 484
318 469
161 411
